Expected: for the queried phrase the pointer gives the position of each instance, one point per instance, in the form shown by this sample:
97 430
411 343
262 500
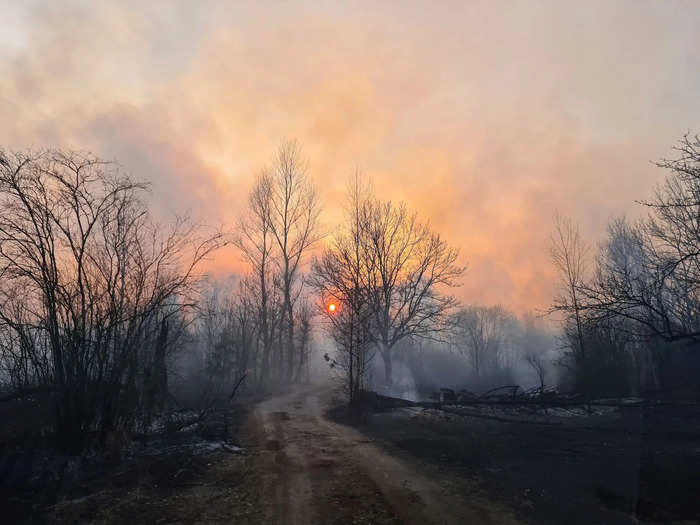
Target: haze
484 117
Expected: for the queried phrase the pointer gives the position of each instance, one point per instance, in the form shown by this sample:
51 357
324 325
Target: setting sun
331 307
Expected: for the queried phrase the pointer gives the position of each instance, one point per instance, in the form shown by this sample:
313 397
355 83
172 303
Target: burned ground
582 464
302 460
162 478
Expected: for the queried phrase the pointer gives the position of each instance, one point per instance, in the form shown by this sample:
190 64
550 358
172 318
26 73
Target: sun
331 307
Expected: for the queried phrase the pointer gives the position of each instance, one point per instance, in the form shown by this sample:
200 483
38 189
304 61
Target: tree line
632 309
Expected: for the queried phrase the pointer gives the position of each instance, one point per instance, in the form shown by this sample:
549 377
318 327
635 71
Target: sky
486 118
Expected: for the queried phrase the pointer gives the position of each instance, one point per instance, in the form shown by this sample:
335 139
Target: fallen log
501 418
547 402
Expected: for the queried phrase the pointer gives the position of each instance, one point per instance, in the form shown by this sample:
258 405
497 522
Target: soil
314 470
627 465
303 461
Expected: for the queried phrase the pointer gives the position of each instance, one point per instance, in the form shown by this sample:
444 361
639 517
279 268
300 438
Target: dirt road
311 470
297 468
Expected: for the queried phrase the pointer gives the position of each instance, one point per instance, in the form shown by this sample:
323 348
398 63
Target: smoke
421 368
506 116
403 383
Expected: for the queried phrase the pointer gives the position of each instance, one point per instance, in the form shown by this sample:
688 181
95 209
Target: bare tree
535 343
649 273
401 266
484 334
304 314
537 363
98 278
275 235
256 242
294 208
227 330
342 277
413 266
570 257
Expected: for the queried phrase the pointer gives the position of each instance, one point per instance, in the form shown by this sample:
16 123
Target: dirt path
298 468
311 470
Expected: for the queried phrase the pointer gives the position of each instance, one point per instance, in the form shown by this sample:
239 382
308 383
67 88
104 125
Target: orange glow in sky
486 121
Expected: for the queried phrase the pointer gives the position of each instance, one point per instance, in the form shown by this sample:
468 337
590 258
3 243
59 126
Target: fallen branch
544 402
500 418
233 393
512 389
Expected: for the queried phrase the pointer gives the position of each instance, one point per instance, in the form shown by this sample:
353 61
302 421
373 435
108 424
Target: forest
110 331
104 308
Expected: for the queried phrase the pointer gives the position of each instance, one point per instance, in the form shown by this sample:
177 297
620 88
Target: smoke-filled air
350 262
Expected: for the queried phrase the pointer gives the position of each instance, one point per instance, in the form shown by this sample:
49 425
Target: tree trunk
160 372
386 357
290 346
